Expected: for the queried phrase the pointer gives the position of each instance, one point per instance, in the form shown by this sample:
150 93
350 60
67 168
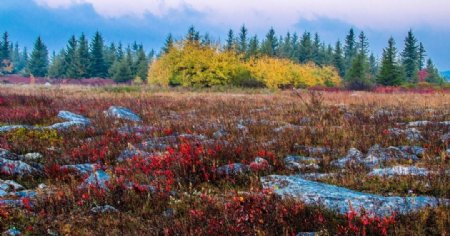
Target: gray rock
69 116
130 153
445 137
104 209
99 179
35 156
353 157
414 150
288 127
419 123
220 134
260 164
11 167
24 194
233 169
399 171
301 163
8 185
81 168
339 199
12 232
317 176
8 128
67 125
122 113
412 134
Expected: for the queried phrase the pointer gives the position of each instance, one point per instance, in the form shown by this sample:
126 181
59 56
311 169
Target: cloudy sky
149 21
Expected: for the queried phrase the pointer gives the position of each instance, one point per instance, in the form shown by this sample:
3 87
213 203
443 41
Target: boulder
344 200
81 168
301 163
67 125
69 116
10 185
260 164
99 178
11 167
122 113
35 156
353 157
233 169
8 128
399 171
130 153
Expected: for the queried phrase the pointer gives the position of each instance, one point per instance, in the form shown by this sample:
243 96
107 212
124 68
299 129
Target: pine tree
253 47
243 41
71 61
230 43
422 55
168 44
363 44
120 71
349 49
57 68
4 48
270 44
390 71
206 40
433 74
193 36
306 48
373 66
285 48
97 65
38 63
339 59
83 57
328 55
110 56
119 53
318 50
15 58
6 65
295 48
410 57
141 64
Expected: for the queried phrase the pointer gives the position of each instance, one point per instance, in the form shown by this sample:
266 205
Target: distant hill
446 75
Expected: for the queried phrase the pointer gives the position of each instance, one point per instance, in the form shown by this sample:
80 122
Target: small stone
233 169
12 232
35 156
99 179
399 171
104 209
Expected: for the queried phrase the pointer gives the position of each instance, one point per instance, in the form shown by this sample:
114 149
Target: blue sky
150 21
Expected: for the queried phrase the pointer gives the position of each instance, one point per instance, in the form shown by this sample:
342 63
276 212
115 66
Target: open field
216 163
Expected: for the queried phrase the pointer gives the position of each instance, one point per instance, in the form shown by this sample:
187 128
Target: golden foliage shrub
193 65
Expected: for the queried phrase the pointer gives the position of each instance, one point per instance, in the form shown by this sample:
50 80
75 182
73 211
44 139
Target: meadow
200 162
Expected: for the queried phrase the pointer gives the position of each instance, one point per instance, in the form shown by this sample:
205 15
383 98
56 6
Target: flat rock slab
69 116
122 113
400 171
339 199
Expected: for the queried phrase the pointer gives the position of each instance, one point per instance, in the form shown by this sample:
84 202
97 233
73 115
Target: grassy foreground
190 198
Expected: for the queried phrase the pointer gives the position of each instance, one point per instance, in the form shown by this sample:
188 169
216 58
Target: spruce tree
349 49
318 50
253 47
168 44
306 48
422 55
71 59
433 74
38 63
338 60
193 36
243 41
142 64
57 68
230 43
390 71
4 48
410 58
83 57
295 48
120 71
97 65
373 65
270 44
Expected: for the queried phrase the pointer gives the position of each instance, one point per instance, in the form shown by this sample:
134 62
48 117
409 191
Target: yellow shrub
191 64
276 73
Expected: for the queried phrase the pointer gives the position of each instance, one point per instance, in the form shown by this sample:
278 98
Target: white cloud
282 14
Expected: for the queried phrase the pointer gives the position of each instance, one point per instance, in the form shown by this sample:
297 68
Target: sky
150 21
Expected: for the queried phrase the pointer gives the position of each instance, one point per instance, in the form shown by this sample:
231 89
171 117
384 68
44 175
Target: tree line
352 59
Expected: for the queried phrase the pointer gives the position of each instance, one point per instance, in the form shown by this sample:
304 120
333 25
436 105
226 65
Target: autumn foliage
194 65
